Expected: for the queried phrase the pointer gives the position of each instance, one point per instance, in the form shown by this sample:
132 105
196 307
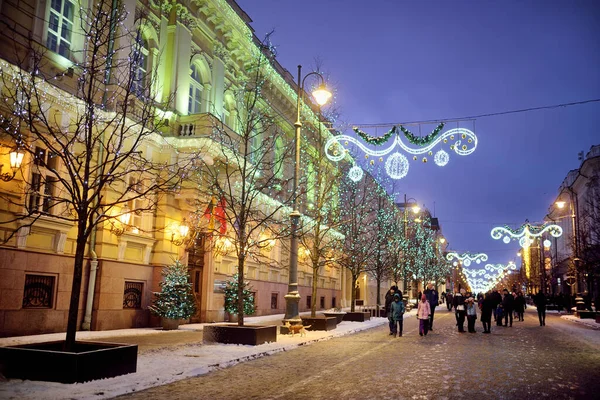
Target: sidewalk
167 356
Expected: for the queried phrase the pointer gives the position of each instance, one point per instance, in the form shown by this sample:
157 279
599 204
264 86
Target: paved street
560 360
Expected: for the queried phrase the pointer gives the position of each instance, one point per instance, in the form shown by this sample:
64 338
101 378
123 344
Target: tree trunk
313 303
76 287
378 294
241 300
353 296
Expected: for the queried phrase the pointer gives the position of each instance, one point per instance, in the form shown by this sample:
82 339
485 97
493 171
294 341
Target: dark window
274 301
132 298
333 305
322 305
308 301
39 291
197 282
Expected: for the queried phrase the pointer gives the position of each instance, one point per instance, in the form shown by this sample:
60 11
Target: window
39 291
195 91
308 301
274 301
140 67
322 302
43 187
60 27
136 206
279 149
333 302
132 297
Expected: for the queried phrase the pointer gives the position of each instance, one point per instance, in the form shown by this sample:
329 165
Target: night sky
402 61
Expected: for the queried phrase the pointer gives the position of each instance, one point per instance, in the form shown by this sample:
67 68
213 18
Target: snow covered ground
165 365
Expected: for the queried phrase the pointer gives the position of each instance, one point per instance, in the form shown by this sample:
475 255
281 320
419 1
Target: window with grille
274 297
195 98
39 291
308 301
322 303
43 185
60 27
132 297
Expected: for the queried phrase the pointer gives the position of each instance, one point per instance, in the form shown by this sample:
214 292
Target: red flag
209 209
220 215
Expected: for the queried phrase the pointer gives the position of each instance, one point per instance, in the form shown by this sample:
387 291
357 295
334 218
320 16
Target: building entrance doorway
196 252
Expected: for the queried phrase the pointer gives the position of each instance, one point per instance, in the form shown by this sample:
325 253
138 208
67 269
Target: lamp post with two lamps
292 298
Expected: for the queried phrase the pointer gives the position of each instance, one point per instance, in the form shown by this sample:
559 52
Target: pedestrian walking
396 315
487 308
389 298
423 312
459 306
520 306
497 299
433 299
508 305
471 306
540 302
499 314
449 299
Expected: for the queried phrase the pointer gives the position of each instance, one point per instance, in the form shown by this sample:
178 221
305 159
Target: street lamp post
415 209
292 298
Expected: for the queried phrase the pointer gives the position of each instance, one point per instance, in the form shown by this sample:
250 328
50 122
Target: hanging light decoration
526 233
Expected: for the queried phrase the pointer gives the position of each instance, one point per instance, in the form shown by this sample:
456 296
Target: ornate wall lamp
179 234
120 225
16 159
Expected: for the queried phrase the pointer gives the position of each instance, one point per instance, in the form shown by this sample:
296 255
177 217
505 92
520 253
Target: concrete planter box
249 334
48 362
320 323
597 317
581 314
339 316
357 316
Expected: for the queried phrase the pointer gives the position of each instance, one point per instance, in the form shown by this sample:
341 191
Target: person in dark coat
396 314
520 306
459 306
497 299
508 305
389 298
432 297
540 302
449 300
487 309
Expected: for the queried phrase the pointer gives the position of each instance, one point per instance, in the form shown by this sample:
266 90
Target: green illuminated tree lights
232 291
175 299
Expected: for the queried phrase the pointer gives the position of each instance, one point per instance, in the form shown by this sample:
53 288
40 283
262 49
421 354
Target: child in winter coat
499 314
423 312
471 314
396 316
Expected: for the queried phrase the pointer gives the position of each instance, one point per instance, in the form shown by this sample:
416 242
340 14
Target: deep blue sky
397 61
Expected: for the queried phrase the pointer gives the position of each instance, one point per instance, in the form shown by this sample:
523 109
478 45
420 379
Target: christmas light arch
526 233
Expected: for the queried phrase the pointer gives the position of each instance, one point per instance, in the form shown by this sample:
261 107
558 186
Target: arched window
140 62
60 27
195 99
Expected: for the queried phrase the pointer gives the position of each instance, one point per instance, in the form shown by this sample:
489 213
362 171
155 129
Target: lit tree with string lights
358 217
243 171
381 265
85 132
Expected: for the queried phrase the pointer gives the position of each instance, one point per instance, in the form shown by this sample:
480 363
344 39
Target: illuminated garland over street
526 234
462 141
467 257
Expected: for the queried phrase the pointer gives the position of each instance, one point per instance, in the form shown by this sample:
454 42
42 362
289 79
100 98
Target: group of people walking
499 306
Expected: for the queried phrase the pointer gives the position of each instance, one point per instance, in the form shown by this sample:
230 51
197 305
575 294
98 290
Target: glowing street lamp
292 298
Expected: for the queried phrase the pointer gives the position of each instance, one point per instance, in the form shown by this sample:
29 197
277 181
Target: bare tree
245 173
589 236
85 132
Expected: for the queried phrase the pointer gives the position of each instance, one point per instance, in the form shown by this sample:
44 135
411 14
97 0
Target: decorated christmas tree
176 299
232 295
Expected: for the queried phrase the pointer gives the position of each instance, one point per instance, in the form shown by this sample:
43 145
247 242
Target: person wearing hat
389 298
423 313
396 315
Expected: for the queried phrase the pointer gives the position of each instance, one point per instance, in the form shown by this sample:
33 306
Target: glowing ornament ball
355 174
396 166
